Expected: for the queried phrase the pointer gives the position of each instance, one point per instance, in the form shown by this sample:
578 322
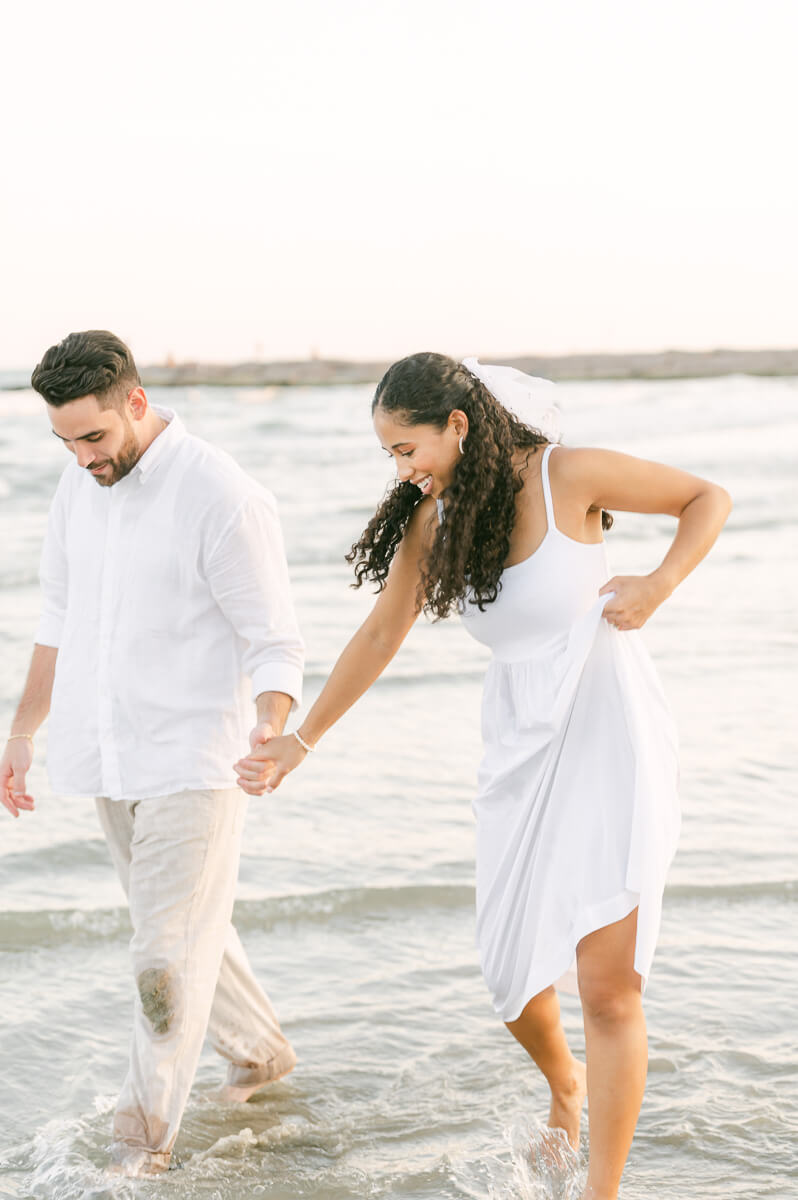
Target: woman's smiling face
424 454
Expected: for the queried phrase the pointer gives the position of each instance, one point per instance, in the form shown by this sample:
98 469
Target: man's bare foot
246 1081
239 1095
138 1165
566 1106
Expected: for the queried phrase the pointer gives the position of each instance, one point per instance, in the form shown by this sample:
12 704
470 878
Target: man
164 586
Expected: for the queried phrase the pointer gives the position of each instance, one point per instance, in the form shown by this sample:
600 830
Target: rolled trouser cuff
135 1161
252 1074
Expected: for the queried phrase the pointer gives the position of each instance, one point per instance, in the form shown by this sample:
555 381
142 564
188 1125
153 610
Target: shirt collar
162 445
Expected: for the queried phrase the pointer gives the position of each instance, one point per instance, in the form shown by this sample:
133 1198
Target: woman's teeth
424 484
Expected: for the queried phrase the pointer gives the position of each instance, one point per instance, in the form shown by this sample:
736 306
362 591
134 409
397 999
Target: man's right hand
267 765
14 766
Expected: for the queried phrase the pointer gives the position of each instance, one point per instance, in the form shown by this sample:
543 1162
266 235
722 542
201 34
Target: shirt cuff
278 677
49 630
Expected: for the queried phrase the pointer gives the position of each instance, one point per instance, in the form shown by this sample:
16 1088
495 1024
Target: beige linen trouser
177 857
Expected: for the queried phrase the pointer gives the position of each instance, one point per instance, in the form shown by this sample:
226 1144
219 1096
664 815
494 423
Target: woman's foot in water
566 1105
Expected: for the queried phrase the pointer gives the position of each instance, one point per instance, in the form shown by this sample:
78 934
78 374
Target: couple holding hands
166 613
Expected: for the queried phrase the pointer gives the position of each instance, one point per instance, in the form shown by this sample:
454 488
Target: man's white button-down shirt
163 593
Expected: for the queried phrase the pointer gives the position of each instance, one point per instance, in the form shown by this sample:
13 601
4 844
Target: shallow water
356 893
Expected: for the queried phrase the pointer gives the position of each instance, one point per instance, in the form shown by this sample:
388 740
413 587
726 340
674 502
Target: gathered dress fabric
577 809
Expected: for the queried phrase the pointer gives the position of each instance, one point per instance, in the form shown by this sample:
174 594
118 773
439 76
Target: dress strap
441 512
544 477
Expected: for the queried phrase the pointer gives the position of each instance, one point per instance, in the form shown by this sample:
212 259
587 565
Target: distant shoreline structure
667 364
315 372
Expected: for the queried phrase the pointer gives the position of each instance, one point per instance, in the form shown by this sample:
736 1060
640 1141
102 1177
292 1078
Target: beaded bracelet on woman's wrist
305 745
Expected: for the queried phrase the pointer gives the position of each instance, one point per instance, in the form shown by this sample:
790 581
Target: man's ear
136 403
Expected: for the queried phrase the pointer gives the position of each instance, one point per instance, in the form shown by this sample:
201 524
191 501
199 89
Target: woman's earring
460 444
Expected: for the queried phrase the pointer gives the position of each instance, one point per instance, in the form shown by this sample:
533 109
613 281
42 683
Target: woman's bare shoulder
613 480
573 467
423 524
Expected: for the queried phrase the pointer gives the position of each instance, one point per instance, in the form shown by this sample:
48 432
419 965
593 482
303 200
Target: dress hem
563 977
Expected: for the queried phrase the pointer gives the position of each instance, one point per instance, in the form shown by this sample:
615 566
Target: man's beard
129 454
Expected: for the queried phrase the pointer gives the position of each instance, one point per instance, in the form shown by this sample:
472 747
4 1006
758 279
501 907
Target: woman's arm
363 659
596 479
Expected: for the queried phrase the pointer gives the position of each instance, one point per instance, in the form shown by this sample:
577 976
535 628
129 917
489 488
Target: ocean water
356 890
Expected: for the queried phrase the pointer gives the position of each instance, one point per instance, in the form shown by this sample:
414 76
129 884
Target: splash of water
542 1164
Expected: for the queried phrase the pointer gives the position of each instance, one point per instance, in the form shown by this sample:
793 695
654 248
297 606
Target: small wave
776 889
16 394
404 678
65 1160
48 929
230 1144
61 927
320 906
16 579
75 855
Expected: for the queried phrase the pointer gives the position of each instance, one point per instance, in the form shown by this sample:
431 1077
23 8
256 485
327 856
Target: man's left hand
263 732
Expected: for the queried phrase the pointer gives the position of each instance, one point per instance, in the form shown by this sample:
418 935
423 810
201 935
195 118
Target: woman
577 817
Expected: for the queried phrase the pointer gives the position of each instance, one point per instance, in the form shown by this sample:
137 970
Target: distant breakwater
314 372
666 364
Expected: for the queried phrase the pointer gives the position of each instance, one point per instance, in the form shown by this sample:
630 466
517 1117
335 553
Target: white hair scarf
527 397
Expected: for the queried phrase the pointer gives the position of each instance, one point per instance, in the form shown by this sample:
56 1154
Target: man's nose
84 453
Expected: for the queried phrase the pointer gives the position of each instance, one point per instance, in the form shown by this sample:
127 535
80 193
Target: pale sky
225 181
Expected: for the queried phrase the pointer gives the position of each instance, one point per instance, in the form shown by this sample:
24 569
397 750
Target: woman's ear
458 422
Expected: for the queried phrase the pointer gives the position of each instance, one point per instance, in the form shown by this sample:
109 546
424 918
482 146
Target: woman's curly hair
469 550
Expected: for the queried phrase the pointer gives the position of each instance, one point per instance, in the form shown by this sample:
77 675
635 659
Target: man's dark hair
92 363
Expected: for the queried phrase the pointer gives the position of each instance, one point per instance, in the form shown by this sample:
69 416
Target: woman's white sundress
577 810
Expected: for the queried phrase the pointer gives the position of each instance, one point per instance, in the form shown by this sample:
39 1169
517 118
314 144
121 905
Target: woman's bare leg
617 1050
539 1030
